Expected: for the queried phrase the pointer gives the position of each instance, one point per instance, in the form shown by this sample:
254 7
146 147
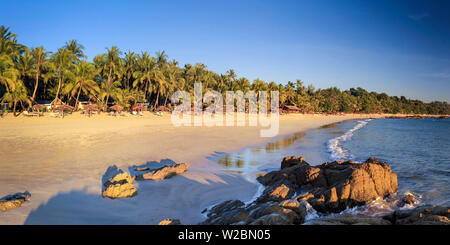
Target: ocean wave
334 147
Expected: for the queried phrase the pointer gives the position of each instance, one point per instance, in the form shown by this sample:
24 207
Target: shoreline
61 161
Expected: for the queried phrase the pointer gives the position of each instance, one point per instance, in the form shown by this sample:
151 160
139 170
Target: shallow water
417 150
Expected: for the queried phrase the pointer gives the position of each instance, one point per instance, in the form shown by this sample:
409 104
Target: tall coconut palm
83 81
8 43
60 68
8 72
76 48
17 94
147 73
112 62
39 58
129 63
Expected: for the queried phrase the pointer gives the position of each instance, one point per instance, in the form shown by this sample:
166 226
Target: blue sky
398 47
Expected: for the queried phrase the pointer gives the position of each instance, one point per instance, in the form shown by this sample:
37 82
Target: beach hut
290 109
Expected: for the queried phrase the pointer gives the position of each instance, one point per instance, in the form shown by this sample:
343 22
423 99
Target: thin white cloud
442 75
418 17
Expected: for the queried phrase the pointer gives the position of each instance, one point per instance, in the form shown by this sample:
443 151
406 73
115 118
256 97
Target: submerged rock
335 186
14 201
164 172
170 222
349 219
423 215
118 184
408 199
234 212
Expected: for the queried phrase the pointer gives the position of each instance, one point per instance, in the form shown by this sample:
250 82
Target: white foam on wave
334 147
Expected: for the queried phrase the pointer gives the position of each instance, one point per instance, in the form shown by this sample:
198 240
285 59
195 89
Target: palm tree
111 65
39 58
25 63
129 65
83 81
146 73
18 94
76 49
8 43
60 68
8 72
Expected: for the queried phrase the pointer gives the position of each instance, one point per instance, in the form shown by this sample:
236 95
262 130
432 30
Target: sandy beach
61 163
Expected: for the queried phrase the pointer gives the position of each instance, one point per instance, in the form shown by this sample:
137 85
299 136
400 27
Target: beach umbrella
90 109
63 108
138 107
116 108
163 108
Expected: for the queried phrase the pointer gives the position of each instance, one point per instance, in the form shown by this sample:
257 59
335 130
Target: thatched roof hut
116 108
290 109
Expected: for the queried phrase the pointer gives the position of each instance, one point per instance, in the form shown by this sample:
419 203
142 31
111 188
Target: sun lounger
31 114
55 114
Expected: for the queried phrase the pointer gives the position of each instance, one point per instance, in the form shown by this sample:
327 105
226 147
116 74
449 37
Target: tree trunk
106 102
14 108
76 102
156 101
36 85
165 102
59 87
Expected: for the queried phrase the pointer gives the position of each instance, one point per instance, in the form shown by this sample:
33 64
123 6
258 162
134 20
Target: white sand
61 163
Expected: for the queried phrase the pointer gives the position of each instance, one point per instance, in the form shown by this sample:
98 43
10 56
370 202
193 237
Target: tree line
125 78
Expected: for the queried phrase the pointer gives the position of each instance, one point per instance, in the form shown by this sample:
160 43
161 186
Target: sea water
418 150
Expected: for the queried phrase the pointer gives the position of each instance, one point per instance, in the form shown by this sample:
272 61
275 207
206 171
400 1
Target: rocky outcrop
14 201
118 184
350 219
292 161
170 222
163 172
235 212
277 193
424 215
335 186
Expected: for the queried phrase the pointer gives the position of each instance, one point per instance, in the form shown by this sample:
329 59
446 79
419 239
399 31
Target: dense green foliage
28 75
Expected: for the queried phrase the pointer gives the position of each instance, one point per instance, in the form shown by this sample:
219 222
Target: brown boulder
227 213
118 184
277 193
234 212
408 199
292 161
14 201
338 185
164 172
424 215
170 222
297 207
